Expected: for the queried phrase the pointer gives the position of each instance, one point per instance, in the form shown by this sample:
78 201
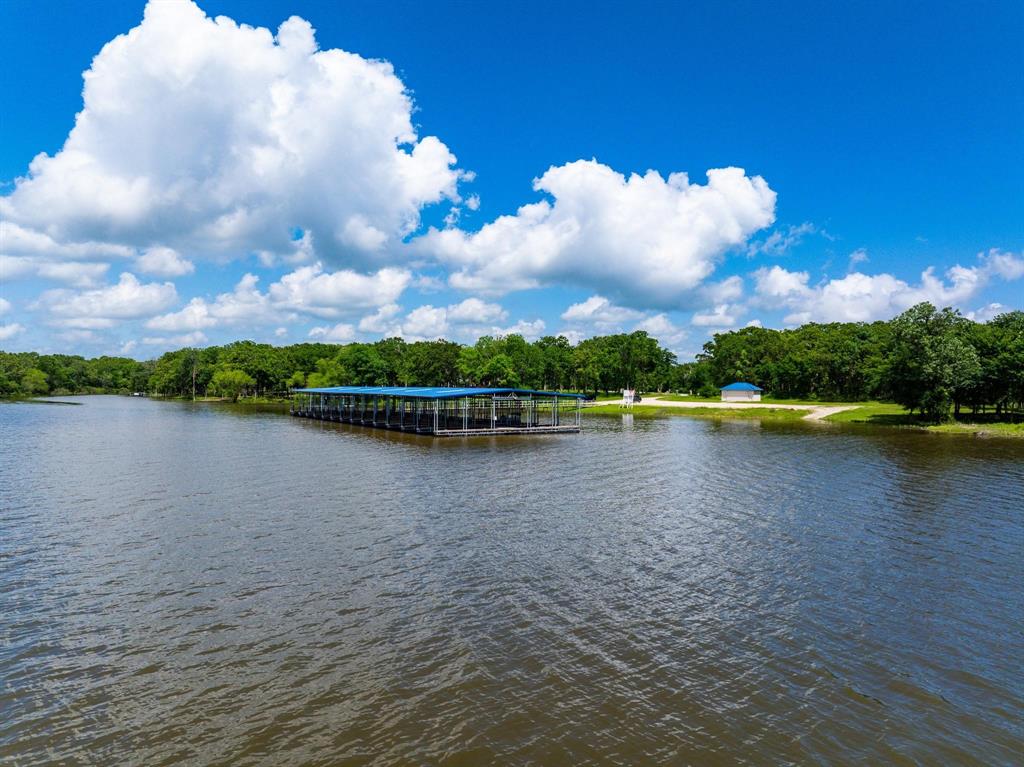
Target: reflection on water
200 584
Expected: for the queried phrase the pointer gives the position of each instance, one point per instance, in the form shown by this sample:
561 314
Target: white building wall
741 396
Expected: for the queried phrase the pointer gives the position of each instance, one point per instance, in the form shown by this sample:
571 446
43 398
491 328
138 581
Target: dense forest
935 362
932 361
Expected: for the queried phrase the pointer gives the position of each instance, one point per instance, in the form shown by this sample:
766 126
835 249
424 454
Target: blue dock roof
432 392
741 386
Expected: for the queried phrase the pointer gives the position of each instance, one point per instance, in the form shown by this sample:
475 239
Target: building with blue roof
442 410
741 391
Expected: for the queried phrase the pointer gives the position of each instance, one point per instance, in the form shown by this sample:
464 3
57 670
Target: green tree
1003 365
930 364
262 362
928 360
431 363
34 382
392 352
500 371
363 365
231 382
556 362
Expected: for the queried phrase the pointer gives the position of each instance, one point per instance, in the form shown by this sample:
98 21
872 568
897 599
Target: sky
177 174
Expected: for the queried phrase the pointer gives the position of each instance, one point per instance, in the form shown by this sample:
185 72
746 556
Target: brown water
195 584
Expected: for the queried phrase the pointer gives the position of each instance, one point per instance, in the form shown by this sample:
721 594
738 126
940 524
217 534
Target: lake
204 584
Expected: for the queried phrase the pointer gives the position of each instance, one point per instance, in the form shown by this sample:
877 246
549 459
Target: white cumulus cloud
474 310
599 316
861 297
530 330
308 290
311 290
721 316
382 321
10 330
601 313
668 334
164 262
243 306
426 322
729 289
987 312
342 333
466 320
1002 264
645 238
776 286
104 307
210 136
196 338
80 274
20 241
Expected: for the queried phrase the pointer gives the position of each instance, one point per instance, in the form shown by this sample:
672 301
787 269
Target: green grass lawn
886 413
653 411
681 397
817 402
995 429
889 414
763 400
876 413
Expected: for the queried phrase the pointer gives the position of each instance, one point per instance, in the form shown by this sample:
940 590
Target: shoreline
656 407
874 414
812 412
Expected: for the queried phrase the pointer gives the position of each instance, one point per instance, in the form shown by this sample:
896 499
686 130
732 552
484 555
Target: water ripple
186 584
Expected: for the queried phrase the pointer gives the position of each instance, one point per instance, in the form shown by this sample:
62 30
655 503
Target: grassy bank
884 413
996 429
874 413
888 414
762 401
653 411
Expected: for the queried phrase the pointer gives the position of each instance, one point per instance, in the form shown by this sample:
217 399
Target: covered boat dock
442 411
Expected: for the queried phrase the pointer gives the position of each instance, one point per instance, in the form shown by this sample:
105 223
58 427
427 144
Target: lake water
201 584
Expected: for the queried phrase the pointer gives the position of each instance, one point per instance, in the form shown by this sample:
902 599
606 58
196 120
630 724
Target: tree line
935 362
246 368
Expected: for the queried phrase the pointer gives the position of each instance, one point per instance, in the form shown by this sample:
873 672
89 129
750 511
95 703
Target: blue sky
225 183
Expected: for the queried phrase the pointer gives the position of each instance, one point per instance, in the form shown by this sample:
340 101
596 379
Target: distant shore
667 405
876 413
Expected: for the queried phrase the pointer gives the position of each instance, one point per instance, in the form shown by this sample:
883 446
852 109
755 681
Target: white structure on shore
741 392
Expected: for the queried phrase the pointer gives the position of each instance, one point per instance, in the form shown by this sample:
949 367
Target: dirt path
816 412
824 412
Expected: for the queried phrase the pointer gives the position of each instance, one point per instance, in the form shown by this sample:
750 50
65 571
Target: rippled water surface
195 584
